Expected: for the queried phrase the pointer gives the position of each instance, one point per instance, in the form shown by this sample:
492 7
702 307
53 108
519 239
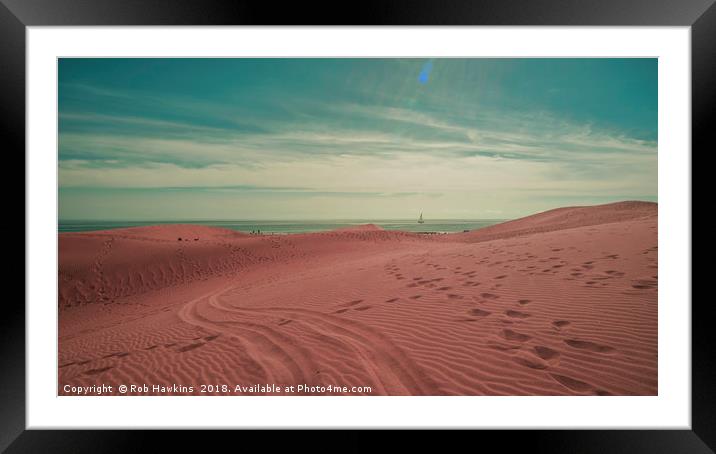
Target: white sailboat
420 220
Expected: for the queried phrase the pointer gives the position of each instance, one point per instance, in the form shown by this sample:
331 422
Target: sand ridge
560 303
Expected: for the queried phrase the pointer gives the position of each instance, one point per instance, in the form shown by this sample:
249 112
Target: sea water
280 227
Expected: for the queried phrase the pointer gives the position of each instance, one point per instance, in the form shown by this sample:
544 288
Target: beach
559 303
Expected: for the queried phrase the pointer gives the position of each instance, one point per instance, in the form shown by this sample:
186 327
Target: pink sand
562 302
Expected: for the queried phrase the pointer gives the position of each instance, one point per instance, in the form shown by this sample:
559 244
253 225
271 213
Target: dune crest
168 232
360 228
567 218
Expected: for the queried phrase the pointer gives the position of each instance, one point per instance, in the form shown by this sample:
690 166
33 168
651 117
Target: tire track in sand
285 361
280 361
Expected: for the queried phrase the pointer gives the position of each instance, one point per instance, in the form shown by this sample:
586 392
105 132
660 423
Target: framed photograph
472 216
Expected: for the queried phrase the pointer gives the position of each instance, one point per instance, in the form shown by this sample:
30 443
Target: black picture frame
16 15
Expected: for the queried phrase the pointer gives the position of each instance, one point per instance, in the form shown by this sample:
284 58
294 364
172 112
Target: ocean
281 227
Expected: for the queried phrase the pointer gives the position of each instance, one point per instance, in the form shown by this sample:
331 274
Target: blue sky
173 139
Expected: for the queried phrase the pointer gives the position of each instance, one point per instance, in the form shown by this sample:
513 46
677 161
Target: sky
371 139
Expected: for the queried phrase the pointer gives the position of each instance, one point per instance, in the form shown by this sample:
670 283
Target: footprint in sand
363 308
517 314
524 302
560 323
479 312
511 335
392 300
546 353
489 296
572 383
589 346
644 284
529 360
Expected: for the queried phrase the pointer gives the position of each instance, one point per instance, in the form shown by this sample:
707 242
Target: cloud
534 138
349 149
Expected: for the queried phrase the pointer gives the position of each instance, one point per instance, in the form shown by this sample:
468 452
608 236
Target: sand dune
567 218
360 228
559 303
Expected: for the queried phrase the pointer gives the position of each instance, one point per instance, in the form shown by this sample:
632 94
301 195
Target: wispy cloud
371 147
561 145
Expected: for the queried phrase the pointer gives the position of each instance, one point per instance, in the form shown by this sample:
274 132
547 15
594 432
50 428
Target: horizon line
277 220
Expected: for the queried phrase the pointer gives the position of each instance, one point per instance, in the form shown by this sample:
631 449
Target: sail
420 220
